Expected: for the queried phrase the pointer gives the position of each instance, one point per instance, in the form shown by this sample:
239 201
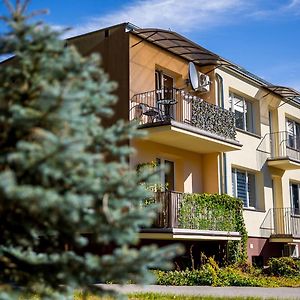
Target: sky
263 36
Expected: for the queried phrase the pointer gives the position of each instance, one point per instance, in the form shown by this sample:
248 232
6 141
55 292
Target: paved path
264 293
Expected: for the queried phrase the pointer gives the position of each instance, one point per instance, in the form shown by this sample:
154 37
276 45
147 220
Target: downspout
223 162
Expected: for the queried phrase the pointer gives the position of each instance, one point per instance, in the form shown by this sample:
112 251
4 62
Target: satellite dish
193 76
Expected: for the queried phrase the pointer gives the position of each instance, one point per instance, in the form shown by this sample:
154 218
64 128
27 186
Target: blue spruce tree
66 190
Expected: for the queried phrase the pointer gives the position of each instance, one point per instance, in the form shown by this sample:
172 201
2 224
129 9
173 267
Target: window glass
295 196
243 187
169 175
251 190
290 133
293 134
243 111
249 117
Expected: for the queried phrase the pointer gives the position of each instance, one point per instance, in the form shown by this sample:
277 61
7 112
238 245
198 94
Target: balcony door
163 85
167 176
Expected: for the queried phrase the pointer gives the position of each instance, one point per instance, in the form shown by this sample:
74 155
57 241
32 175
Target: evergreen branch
9 6
37 163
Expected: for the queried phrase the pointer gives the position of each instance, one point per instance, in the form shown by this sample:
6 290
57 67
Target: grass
158 296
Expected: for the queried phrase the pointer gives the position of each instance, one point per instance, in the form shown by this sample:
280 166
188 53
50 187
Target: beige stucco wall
250 159
290 112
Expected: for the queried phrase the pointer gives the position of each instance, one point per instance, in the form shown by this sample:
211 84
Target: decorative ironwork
173 104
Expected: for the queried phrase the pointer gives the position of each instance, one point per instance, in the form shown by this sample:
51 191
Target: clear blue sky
263 36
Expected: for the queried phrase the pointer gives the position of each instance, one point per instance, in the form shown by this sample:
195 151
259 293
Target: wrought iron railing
282 221
174 104
280 145
173 214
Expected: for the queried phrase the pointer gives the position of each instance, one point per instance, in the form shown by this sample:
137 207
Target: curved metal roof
185 48
286 93
179 45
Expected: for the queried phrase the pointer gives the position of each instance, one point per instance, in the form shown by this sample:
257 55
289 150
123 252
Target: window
167 174
243 111
163 85
243 187
295 197
293 134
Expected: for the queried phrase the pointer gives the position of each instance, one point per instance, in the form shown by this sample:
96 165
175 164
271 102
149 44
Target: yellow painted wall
211 173
145 58
189 171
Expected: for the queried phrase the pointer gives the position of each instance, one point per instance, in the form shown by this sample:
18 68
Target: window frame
295 126
247 201
292 203
247 110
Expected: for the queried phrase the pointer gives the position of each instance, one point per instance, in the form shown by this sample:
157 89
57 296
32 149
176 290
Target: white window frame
291 196
235 187
246 105
291 124
160 84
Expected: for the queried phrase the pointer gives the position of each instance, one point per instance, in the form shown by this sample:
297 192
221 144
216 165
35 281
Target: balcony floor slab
284 163
284 238
189 137
189 234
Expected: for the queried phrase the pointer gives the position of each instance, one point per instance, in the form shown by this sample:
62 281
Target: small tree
66 190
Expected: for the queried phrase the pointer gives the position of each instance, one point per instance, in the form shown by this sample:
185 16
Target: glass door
167 176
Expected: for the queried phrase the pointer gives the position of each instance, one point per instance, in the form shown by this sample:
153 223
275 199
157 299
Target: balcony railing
174 213
280 145
282 222
163 105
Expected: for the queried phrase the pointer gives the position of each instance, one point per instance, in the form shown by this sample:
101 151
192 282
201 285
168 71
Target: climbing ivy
216 212
153 169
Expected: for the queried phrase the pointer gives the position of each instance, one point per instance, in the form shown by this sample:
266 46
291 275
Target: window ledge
254 209
248 133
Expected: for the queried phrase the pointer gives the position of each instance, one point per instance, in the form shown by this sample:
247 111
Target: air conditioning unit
204 83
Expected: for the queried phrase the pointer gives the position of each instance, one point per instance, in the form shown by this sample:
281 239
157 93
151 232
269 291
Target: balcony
178 221
283 149
282 225
176 118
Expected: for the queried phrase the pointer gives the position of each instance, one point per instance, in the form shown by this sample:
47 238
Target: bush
235 275
231 276
284 266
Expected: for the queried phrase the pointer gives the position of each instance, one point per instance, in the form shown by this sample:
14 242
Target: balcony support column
278 205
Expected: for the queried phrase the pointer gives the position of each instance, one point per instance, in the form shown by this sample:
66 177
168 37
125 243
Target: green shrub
284 266
231 276
216 212
286 271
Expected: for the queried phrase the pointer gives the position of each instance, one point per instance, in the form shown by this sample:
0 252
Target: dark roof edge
125 25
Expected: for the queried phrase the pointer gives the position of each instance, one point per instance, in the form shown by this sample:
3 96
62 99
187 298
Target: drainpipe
223 160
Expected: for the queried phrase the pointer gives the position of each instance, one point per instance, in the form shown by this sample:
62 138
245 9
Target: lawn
157 296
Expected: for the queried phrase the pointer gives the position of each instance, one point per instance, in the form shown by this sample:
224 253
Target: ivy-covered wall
215 212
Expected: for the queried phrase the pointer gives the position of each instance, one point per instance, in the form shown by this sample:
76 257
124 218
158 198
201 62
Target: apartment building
218 129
